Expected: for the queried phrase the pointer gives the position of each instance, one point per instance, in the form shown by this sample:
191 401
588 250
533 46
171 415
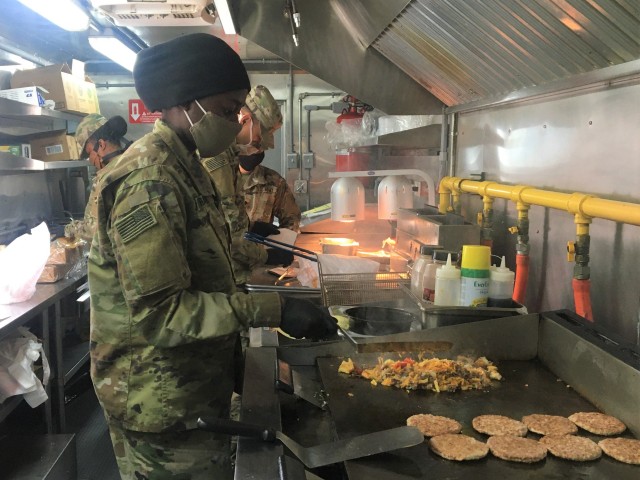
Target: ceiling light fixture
224 13
296 14
112 47
64 13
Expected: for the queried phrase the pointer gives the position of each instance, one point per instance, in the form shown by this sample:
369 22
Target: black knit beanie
187 68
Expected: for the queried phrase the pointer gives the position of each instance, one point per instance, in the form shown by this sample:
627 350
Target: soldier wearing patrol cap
165 313
260 118
261 106
266 193
102 141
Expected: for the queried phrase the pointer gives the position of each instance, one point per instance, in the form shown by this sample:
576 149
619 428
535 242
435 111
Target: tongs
269 242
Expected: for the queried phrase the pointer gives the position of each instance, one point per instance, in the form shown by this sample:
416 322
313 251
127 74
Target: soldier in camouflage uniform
266 194
260 118
102 141
165 313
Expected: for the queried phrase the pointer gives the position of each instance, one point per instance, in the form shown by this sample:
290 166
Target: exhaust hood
418 56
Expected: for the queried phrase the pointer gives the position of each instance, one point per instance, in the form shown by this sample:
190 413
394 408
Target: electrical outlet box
339 107
308 159
292 160
300 186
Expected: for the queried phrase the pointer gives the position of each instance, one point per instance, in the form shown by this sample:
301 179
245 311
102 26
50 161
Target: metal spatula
326 453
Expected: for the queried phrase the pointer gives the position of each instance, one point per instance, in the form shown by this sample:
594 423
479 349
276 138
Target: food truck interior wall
580 139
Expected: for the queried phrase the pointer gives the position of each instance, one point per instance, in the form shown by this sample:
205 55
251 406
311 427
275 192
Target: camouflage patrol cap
86 128
265 108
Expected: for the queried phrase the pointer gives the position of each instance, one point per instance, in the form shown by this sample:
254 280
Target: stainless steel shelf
11 108
20 119
14 164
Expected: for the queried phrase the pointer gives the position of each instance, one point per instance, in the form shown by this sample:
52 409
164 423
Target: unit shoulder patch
135 222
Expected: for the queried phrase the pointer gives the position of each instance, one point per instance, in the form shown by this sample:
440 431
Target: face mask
249 148
212 134
250 162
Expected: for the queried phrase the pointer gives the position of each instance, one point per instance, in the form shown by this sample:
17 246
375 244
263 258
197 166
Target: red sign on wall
138 113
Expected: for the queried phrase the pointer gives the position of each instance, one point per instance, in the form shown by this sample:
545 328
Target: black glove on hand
302 318
264 229
276 256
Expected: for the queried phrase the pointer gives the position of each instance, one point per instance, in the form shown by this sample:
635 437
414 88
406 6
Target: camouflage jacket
223 171
164 309
86 228
267 195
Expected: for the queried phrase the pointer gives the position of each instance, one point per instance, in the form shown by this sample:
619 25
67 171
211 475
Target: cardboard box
71 93
22 150
31 94
55 147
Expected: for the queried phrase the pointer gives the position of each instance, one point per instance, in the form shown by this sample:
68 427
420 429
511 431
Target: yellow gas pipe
584 207
486 225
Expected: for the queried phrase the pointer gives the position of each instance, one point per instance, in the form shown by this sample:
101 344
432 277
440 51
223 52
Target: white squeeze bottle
447 285
501 286
429 274
426 257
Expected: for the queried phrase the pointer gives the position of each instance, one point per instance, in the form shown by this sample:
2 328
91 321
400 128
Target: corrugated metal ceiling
466 50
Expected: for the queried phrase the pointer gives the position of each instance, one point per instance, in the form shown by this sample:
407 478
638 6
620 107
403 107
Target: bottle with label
447 285
426 257
429 275
475 275
501 286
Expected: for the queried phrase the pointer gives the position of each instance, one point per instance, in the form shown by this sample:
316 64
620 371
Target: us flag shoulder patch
214 163
134 223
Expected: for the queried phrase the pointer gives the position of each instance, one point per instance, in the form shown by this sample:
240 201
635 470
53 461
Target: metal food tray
442 316
358 288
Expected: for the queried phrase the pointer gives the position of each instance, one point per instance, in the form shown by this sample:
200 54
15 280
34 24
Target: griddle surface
357 407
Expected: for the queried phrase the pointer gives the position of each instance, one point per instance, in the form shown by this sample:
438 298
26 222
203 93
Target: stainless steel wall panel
580 142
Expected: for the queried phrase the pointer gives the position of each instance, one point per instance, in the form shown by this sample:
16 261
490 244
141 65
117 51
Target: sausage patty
499 425
549 424
432 425
598 423
570 447
454 446
517 449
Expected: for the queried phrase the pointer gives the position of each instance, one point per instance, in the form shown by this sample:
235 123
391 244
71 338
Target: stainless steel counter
46 300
